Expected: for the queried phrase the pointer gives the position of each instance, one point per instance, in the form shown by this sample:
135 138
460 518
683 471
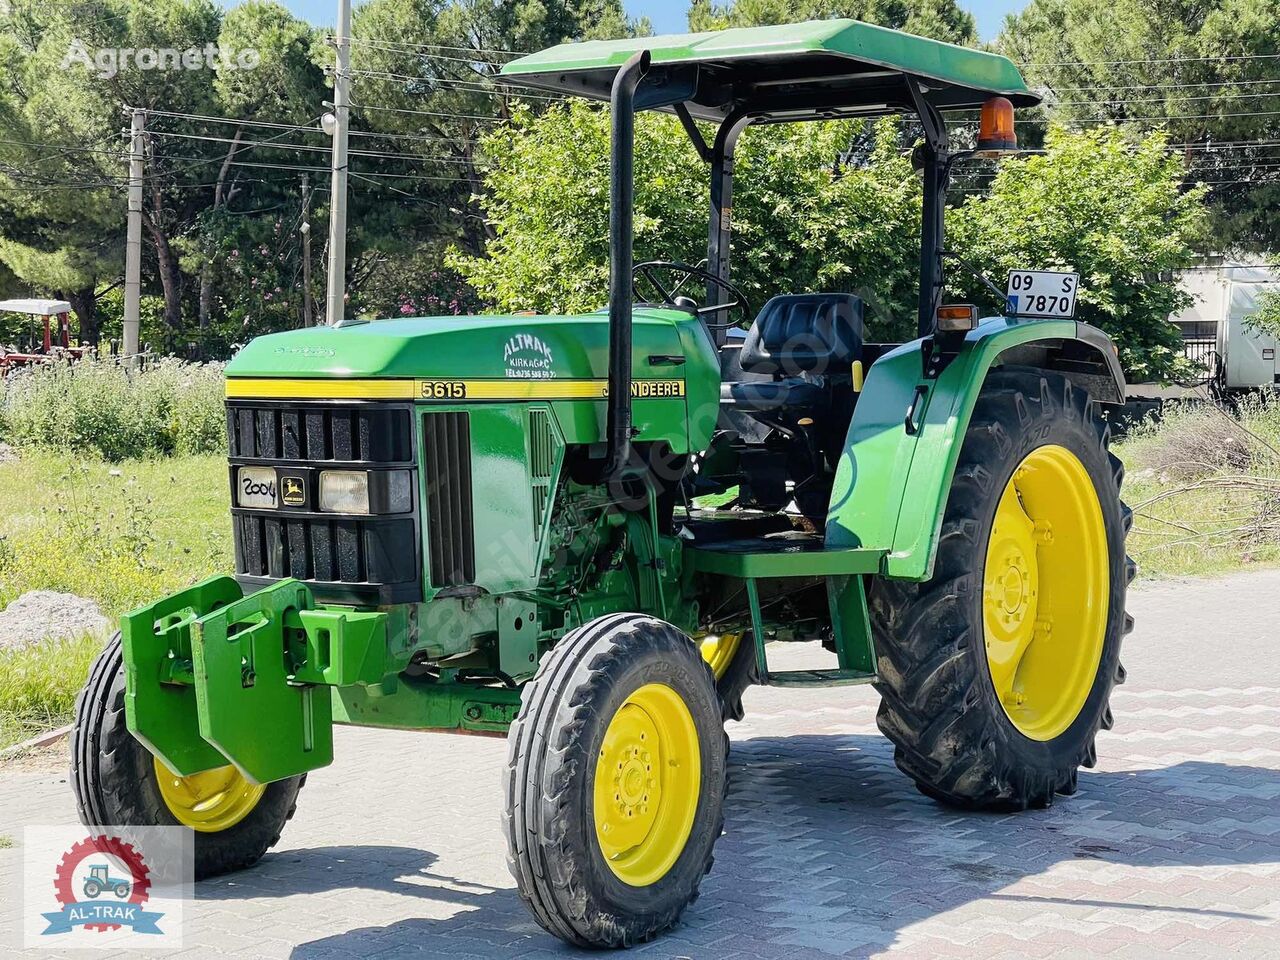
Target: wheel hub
210 801
646 788
1046 570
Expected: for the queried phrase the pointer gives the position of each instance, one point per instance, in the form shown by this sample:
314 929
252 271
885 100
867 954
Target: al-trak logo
527 358
102 884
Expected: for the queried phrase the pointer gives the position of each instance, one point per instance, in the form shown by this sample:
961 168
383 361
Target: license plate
256 487
1042 293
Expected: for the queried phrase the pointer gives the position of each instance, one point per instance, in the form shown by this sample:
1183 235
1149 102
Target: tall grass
38 685
122 536
110 410
1204 483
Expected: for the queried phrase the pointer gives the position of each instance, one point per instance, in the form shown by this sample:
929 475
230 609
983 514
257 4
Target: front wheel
615 782
996 673
118 781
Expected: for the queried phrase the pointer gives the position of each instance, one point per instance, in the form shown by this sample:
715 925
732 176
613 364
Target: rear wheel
732 659
615 782
996 673
118 781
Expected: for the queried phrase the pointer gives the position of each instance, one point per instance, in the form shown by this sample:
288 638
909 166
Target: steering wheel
739 304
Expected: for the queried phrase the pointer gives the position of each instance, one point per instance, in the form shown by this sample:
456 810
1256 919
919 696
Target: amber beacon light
995 130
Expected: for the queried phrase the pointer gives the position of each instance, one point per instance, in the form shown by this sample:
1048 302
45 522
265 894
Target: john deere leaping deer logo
293 492
527 358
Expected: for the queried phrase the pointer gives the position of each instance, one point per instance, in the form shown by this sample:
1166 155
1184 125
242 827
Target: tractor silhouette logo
100 881
293 492
101 884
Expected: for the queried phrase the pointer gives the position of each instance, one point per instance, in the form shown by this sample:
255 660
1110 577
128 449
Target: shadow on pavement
829 851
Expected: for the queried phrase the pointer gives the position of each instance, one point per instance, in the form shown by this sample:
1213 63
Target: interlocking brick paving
1170 848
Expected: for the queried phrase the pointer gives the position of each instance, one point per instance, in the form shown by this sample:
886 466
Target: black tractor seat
797 342
768 396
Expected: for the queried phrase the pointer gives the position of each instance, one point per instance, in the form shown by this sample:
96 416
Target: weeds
110 410
121 536
1204 484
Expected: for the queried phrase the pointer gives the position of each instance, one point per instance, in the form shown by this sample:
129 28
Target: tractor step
819 678
791 554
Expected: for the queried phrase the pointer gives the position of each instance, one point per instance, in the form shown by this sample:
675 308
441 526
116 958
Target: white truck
1246 359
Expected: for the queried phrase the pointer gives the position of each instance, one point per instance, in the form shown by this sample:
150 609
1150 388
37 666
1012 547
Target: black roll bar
621 189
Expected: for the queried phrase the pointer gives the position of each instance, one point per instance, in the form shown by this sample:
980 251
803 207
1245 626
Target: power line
1165 86
302 169
409 48
1117 63
314 148
308 127
439 46
466 85
1190 116
429 113
1126 102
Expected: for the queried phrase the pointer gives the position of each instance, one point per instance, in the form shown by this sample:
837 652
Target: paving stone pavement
1171 848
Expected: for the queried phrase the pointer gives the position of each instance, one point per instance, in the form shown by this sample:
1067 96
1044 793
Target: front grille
369 434
343 558
446 458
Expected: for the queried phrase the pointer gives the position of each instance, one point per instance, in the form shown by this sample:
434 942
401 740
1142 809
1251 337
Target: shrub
1191 440
111 410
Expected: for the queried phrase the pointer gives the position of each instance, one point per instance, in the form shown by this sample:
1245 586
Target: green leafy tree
939 19
1203 72
425 81
805 216
1115 213
1266 319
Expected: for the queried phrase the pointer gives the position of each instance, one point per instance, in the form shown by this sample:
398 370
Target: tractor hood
485 347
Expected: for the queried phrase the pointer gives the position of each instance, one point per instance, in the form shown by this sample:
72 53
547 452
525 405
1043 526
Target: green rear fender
891 484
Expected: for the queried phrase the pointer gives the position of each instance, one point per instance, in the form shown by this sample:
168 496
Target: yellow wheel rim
719 651
211 801
1045 588
648 778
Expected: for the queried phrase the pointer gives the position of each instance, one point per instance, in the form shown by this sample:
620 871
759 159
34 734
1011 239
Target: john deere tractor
498 524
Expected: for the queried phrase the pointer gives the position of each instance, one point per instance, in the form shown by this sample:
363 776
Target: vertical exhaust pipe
621 189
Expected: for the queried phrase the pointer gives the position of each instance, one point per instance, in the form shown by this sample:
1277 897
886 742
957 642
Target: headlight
344 491
356 491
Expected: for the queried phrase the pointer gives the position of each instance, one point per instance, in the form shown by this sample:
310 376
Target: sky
668 16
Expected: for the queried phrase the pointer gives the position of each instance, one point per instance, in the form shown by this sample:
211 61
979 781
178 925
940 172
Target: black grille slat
318 446
291 435
248 434
450 528
340 431
275 548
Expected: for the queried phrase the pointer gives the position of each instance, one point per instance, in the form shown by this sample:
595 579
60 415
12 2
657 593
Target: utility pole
338 194
305 230
133 236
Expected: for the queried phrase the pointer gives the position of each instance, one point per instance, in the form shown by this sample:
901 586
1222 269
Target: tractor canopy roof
798 71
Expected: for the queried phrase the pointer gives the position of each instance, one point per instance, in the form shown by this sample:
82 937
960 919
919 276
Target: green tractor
497 524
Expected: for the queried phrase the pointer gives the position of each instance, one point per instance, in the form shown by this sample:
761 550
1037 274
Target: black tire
938 705
114 779
549 781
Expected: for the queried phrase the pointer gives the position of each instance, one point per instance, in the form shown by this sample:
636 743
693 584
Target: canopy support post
721 227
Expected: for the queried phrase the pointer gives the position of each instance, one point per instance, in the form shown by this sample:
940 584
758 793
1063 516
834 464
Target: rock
7 453
43 614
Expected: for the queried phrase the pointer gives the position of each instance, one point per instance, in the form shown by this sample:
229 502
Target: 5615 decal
443 389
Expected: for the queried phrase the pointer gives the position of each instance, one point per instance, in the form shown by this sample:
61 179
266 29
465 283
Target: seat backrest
805 332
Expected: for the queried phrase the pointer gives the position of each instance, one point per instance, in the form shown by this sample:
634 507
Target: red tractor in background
55 344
